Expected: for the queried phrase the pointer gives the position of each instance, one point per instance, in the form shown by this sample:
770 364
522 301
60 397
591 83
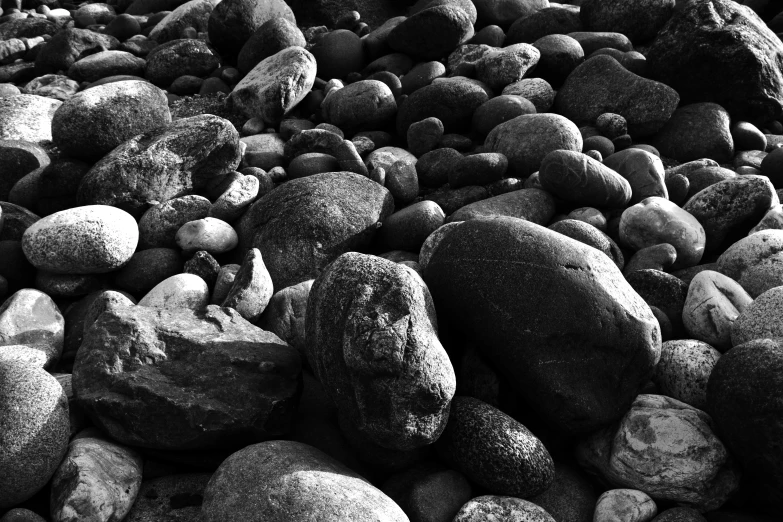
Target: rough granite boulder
307 223
372 341
183 379
576 343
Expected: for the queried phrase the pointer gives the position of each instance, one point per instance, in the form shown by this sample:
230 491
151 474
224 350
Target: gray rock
172 498
684 369
386 372
508 65
570 498
54 86
284 316
158 226
104 64
624 505
17 159
163 163
27 117
408 228
193 14
589 235
92 123
185 290
307 223
97 480
699 130
432 33
239 194
639 21
176 58
147 268
602 85
428 492
283 481
489 507
452 102
70 45
22 514
760 319
362 105
713 303
537 90
503 13
643 170
174 385
275 85
273 36
579 179
31 318
252 288
34 432
472 274
666 448
232 23
755 261
534 205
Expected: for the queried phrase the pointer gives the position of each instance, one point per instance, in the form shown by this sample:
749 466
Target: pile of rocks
463 260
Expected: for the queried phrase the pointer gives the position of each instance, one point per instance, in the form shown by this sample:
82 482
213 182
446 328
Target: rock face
744 398
282 481
720 51
92 239
93 122
233 22
275 85
163 163
307 223
97 480
582 364
371 339
34 430
667 449
602 85
183 379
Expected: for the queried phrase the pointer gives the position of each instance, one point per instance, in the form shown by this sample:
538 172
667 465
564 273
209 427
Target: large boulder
372 341
286 481
306 223
602 85
576 343
233 22
182 379
163 163
720 51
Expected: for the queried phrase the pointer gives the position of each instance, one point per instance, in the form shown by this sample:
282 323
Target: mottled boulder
233 22
163 163
184 379
720 51
744 399
27 117
92 123
284 481
684 369
275 85
371 339
305 224
667 449
97 480
432 33
604 353
699 130
602 85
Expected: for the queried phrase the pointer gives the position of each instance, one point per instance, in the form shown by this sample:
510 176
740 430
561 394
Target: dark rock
362 105
433 168
176 58
70 45
503 13
663 291
699 130
589 235
644 172
591 41
560 55
478 169
549 20
428 492
17 159
147 268
498 110
579 179
172 498
452 102
273 36
570 498
232 23
639 21
534 205
432 33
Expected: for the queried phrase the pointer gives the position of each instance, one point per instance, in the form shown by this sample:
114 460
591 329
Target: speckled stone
680 514
93 239
684 369
572 496
625 505
408 228
755 261
34 432
494 451
172 498
21 515
147 268
158 226
495 507
761 319
664 291
27 117
284 316
252 288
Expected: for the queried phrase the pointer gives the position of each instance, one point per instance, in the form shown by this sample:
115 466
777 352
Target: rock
747 137
560 55
544 22
105 64
408 228
176 58
163 163
504 12
602 85
21 515
643 170
18 158
755 261
432 33
93 239
27 117
275 85
730 208
424 135
428 492
625 505
667 449
478 169
421 75
684 369
205 266
235 199
386 373
68 46
743 398
592 41
307 223
147 268
718 51
639 21
534 205
500 68
494 451
194 13
178 291
271 37
338 53
589 235
570 498
760 319
526 140
478 261
252 288
210 234
362 105
285 480
498 110
123 26
158 226
284 316
578 178
171 498
92 123
489 507
708 176
699 130
185 379
30 318
233 22
452 102
654 221
97 480
714 302
34 433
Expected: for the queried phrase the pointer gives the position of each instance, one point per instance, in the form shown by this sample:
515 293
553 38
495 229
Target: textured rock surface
172 498
172 384
27 117
495 507
684 369
30 318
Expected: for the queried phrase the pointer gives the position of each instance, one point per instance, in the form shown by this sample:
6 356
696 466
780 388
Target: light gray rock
193 14
755 262
158 226
761 319
30 318
210 234
684 369
496 507
187 291
252 288
27 117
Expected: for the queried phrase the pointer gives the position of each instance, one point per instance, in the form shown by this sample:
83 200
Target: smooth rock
363 105
158 226
579 179
755 261
643 170
432 33
252 288
534 205
233 22
186 291
699 130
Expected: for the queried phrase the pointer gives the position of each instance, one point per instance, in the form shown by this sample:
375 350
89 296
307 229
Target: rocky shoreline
451 261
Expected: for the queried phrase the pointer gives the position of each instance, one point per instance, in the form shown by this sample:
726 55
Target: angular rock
252 288
185 379
284 316
511 64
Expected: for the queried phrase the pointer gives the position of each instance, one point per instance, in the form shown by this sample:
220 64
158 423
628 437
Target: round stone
684 369
210 234
179 291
